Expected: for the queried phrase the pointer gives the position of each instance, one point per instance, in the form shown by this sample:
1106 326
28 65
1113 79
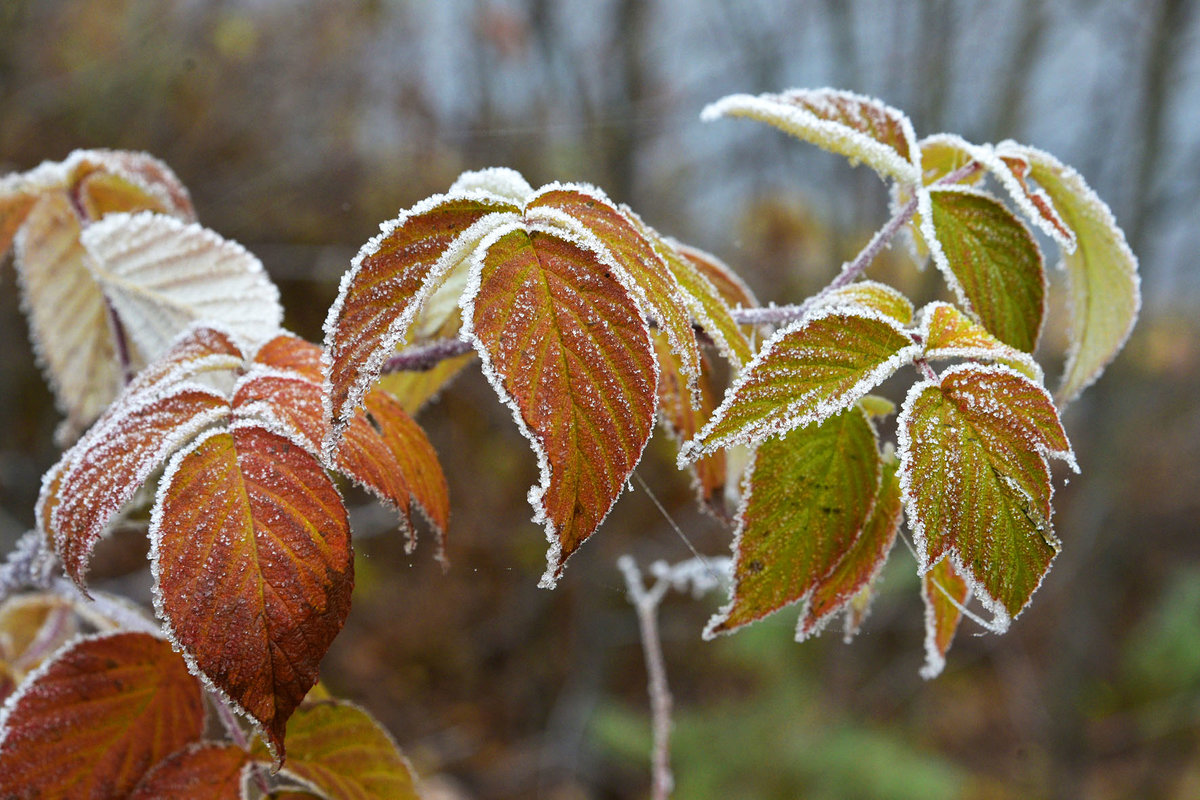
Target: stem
120 341
646 603
423 357
238 736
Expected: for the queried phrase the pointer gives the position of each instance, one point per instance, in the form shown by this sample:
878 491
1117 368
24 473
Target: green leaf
848 586
806 499
990 260
339 751
871 295
860 128
91 721
805 373
975 479
567 349
944 593
1102 273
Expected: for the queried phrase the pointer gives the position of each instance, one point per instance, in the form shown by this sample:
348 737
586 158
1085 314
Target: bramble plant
163 344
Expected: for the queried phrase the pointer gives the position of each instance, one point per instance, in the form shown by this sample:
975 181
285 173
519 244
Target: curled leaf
857 127
1102 276
161 275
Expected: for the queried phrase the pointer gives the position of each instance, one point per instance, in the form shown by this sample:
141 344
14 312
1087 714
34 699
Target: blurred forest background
300 125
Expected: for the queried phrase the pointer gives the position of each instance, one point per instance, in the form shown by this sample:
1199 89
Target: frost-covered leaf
383 449
945 593
682 420
975 479
806 498
943 153
806 372
860 128
107 467
710 302
1101 273
389 280
339 751
990 260
162 274
847 587
90 722
68 320
869 294
208 770
566 347
250 548
1033 200
949 333
628 240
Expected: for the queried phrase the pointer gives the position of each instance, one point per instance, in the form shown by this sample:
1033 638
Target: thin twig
238 736
424 357
645 602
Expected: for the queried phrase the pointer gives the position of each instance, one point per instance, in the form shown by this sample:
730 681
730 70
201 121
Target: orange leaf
13 210
251 551
92 721
390 278
622 235
208 769
383 449
566 347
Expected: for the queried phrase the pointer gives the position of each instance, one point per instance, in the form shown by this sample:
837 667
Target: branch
424 357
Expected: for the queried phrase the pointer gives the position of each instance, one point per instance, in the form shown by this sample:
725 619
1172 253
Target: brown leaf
208 770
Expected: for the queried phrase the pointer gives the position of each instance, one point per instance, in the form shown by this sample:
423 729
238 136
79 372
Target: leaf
1033 201
806 372
338 750
1102 274
990 260
383 449
945 593
68 320
90 722
871 295
708 302
389 280
805 501
857 127
949 333
943 153
681 420
625 237
976 482
567 349
206 769
103 472
843 588
161 275
250 548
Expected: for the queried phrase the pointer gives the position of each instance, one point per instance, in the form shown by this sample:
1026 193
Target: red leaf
566 347
207 770
92 721
251 549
